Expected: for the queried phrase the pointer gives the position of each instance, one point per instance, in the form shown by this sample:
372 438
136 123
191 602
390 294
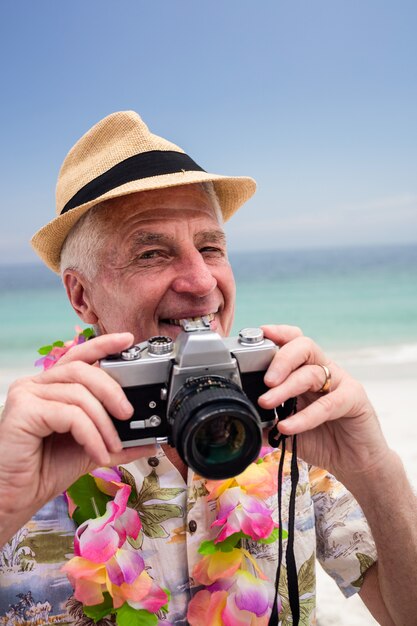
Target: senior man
138 239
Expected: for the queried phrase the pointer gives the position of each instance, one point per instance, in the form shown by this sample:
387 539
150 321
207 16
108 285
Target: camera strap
292 578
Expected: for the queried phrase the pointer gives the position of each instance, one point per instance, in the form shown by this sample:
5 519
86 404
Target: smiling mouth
179 322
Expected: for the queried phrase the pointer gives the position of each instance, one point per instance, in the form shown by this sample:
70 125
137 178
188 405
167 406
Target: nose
193 276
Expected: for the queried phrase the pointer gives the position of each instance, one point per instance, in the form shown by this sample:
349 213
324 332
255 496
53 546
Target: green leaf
306 585
307 606
165 607
128 479
167 493
228 544
153 514
365 562
157 513
136 543
154 531
88 332
58 344
208 547
274 536
283 585
126 616
99 611
307 576
88 498
151 489
45 350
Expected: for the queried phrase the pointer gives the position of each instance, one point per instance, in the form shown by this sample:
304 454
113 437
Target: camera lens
215 427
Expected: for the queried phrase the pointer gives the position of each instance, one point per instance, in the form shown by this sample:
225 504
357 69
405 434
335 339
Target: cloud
405 203
15 249
390 219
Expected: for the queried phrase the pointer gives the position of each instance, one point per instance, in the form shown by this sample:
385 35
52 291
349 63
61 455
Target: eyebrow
144 238
148 237
212 236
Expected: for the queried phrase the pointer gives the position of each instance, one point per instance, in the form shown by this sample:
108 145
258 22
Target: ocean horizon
346 299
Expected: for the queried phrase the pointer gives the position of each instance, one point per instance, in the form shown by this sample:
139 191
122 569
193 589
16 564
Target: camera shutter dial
251 336
160 345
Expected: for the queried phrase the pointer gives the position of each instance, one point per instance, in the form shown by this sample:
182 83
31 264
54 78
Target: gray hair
81 249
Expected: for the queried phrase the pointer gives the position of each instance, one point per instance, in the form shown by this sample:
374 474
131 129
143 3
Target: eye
212 250
149 254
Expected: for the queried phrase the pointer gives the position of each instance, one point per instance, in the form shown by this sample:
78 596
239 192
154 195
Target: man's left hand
340 430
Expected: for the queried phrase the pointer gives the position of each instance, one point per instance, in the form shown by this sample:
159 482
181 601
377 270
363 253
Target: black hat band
144 165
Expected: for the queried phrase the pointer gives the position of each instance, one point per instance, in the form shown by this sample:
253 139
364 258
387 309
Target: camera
198 394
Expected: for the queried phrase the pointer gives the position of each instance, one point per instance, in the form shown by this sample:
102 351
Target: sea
359 301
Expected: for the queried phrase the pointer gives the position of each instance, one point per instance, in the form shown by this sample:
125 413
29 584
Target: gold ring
328 381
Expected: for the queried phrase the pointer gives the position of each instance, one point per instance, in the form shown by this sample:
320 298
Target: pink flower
248 598
98 539
242 600
257 480
217 565
108 479
58 352
123 577
239 512
155 599
205 608
104 561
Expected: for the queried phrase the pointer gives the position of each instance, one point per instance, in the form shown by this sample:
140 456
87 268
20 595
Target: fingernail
127 408
271 379
264 397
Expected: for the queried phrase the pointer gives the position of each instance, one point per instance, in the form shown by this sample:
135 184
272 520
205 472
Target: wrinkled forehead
174 203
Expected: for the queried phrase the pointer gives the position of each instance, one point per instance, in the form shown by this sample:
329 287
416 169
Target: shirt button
153 461
192 525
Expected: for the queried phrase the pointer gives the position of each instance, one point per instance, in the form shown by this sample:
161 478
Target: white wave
377 355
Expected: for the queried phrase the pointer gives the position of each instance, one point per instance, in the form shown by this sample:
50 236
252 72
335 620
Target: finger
282 333
327 408
96 380
290 357
132 454
306 378
97 348
75 394
63 418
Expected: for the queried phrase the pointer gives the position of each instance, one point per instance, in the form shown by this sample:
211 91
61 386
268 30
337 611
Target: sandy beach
390 380
391 386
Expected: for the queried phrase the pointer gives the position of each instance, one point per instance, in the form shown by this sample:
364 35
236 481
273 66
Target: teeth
177 322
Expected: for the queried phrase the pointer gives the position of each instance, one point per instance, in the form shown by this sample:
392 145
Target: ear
78 293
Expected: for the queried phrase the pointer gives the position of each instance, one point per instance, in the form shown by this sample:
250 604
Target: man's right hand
56 426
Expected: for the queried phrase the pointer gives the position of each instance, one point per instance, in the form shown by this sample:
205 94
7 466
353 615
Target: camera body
197 394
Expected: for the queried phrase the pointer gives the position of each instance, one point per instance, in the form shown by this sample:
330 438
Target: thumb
98 348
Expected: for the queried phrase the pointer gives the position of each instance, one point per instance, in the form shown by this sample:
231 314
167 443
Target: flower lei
107 572
52 353
109 575
233 594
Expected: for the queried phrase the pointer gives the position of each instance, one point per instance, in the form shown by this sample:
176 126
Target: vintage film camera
199 394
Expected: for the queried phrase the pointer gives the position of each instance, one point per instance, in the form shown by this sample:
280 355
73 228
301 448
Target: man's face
165 261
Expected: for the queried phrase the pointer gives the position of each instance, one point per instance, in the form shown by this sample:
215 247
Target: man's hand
340 430
56 426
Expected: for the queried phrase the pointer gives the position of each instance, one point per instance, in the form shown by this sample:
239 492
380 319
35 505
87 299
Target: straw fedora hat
119 156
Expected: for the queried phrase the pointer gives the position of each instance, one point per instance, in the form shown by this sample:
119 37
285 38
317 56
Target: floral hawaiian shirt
176 518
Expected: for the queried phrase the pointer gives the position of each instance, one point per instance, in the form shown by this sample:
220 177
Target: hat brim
232 191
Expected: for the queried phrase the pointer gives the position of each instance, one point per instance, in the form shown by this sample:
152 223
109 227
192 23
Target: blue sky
316 100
